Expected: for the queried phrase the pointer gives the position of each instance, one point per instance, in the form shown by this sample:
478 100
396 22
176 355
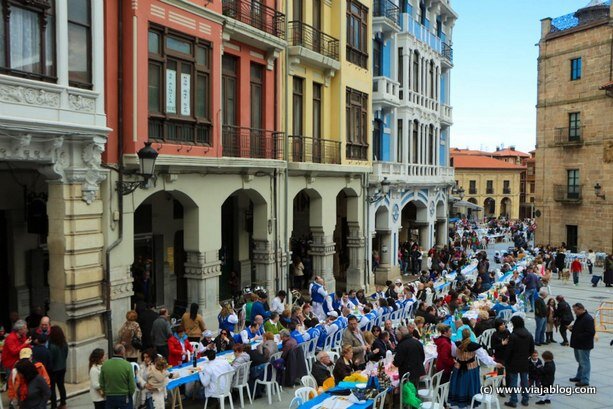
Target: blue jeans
582 356
575 278
539 334
119 402
512 378
529 294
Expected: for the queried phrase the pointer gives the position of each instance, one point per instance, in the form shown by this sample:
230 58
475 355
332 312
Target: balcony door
316 25
573 189
376 140
317 115
230 135
257 135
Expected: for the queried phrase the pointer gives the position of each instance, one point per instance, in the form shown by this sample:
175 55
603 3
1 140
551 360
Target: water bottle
194 359
388 357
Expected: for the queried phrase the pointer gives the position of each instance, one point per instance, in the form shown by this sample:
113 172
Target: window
298 107
178 87
357 33
415 71
27 39
257 96
506 187
575 69
422 12
572 178
400 70
431 145
439 26
357 124
376 140
79 43
229 89
399 141
574 126
489 188
415 143
317 111
432 79
297 7
472 187
376 58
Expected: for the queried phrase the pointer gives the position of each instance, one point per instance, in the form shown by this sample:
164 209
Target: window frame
357 20
161 58
317 108
574 126
42 8
489 187
261 84
576 68
572 183
472 187
356 110
78 84
298 96
226 76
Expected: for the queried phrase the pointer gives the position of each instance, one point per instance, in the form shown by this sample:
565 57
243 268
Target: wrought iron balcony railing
387 9
567 193
304 35
164 130
506 191
257 15
242 142
356 151
447 52
568 136
316 150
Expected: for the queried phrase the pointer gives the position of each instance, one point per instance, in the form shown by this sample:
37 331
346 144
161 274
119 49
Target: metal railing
243 142
568 136
447 52
257 15
567 193
387 9
506 191
472 191
304 35
356 151
316 150
179 131
489 190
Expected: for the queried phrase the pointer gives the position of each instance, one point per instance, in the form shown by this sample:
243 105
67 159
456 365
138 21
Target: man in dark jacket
531 284
582 341
519 349
540 316
322 368
564 316
145 321
409 357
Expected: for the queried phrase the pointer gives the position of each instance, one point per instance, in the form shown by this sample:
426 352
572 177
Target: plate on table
360 385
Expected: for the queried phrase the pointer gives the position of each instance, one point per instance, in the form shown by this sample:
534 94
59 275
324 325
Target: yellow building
490 183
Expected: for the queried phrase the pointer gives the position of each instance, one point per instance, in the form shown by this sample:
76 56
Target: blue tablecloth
342 385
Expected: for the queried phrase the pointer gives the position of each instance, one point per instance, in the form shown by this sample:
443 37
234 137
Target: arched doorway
381 243
415 229
244 220
470 212
347 225
489 207
505 207
306 212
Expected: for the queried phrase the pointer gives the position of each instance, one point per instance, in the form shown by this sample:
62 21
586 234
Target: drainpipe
286 149
366 219
110 248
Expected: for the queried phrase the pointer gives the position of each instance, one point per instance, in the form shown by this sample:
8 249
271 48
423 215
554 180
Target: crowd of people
35 352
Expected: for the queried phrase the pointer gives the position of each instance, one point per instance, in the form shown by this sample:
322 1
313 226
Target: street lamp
458 191
598 191
382 193
146 157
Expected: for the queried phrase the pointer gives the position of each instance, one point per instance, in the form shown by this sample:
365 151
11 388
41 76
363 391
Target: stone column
264 261
441 233
425 232
202 271
355 243
75 243
322 252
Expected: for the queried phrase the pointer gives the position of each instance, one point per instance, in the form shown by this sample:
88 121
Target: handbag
136 342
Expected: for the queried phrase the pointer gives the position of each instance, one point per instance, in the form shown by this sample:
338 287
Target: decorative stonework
80 103
197 267
263 252
29 95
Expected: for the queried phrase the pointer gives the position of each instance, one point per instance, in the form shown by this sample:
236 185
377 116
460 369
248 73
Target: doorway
572 236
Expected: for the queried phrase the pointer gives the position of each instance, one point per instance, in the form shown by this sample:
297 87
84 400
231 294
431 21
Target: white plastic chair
396 317
328 342
337 344
505 315
309 380
272 386
429 367
305 353
195 345
403 380
225 384
305 393
488 398
135 370
379 401
432 384
439 399
485 338
241 381
295 403
333 355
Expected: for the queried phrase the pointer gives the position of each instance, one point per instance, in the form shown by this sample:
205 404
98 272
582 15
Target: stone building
512 155
574 154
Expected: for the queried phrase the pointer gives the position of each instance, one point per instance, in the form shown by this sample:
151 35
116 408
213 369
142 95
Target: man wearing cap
318 297
207 342
353 336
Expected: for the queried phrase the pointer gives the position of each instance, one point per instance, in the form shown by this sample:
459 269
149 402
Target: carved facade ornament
81 104
91 155
29 95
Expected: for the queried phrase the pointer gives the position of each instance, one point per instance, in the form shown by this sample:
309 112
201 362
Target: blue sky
493 82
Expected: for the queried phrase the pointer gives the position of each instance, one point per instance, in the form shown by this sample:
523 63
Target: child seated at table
157 379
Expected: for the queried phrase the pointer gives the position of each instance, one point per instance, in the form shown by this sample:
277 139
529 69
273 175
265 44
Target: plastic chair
225 382
432 384
485 339
241 381
135 370
333 355
505 315
488 398
379 401
305 353
439 399
328 342
295 403
195 345
429 367
337 344
305 393
309 380
272 386
396 317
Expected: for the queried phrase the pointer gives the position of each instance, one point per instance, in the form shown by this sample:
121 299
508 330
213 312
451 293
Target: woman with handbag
130 336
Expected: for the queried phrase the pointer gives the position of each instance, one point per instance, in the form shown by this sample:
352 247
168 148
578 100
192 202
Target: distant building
574 154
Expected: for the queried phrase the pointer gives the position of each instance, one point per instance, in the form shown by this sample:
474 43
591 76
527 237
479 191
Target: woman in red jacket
445 350
178 347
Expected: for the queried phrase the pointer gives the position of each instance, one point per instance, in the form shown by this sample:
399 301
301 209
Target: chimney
545 27
512 147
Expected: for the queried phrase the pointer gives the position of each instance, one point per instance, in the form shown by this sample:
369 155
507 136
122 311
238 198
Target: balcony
568 137
180 132
307 149
386 93
567 194
421 33
385 17
242 142
356 151
472 191
447 54
255 24
413 173
506 191
489 191
446 114
421 100
310 46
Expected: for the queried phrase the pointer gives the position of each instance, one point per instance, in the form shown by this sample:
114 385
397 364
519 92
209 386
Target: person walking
131 336
530 284
563 317
540 316
519 349
193 323
96 358
36 394
59 353
409 356
582 342
117 382
608 271
160 332
145 320
576 268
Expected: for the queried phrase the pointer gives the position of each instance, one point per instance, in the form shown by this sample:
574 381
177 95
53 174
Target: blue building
412 116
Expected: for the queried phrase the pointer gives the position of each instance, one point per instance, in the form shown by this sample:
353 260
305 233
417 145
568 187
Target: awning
468 205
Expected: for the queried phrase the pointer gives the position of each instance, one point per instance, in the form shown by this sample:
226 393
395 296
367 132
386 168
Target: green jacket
117 377
269 326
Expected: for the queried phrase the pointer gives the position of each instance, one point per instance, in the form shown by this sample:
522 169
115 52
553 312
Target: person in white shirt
345 303
210 376
278 303
319 296
250 333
